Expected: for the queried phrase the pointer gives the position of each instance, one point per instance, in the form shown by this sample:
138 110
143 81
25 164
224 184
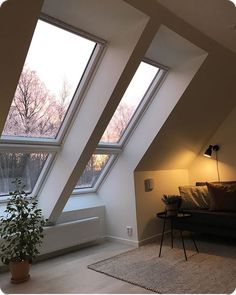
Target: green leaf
22 227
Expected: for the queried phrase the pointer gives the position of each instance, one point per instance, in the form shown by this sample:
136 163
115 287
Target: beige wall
149 203
200 169
204 168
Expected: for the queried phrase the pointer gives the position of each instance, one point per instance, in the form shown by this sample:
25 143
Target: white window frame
78 96
42 175
142 106
117 148
53 145
95 185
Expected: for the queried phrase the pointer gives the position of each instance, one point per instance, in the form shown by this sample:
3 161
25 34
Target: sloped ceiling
83 14
17 22
215 18
204 105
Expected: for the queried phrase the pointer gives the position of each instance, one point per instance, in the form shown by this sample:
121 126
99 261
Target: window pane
93 170
54 65
22 165
129 103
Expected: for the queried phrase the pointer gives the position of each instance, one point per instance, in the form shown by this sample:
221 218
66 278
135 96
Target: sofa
212 207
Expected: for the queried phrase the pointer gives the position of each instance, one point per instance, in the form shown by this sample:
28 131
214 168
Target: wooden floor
69 274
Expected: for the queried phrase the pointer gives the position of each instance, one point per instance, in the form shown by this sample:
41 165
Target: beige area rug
213 270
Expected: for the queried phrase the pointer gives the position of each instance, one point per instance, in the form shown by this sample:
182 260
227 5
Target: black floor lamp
208 153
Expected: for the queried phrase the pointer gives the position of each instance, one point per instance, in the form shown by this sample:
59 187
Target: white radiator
69 234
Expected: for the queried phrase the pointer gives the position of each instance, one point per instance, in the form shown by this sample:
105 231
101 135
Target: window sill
84 201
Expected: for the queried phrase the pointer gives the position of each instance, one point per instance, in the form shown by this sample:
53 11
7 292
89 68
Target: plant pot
19 271
172 209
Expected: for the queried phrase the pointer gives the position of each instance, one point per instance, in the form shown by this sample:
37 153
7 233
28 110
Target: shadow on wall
149 203
168 181
154 225
205 168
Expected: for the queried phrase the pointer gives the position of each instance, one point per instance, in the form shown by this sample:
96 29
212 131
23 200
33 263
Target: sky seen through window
53 68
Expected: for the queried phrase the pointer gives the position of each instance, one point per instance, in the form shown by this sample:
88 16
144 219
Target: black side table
164 215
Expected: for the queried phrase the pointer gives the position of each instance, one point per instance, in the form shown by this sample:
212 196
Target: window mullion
106 149
16 147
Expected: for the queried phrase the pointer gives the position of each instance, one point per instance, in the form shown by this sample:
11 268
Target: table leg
183 245
162 236
194 242
172 243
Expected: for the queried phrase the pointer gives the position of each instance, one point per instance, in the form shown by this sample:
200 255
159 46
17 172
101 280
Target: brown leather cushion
222 197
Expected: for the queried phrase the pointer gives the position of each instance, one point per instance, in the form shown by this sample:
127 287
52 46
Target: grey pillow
194 197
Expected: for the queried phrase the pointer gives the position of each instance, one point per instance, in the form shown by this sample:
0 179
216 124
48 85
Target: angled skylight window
93 170
129 103
134 102
26 166
54 67
55 76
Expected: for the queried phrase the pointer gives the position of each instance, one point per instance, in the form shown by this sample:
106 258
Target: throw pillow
194 197
223 197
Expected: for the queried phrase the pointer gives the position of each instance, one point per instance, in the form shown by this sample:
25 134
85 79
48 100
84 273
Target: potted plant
172 203
21 232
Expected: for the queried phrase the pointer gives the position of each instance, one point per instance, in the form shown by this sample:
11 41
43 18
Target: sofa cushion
222 197
194 197
201 183
210 222
219 219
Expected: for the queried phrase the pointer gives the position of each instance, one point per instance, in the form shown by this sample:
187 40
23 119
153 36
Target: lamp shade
1 1
209 150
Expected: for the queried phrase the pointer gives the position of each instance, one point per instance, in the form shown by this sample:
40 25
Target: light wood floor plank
69 274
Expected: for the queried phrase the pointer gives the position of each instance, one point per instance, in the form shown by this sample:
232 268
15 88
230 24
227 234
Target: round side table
164 215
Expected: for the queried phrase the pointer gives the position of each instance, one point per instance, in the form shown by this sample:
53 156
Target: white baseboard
149 240
122 240
132 242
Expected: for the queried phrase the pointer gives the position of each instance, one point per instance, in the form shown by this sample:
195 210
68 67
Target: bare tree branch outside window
35 112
